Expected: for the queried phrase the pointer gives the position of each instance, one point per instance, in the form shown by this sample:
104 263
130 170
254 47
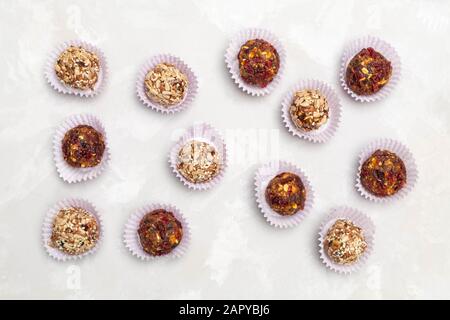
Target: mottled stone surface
414 266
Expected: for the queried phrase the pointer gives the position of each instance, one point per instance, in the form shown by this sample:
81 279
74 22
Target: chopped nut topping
309 110
166 84
198 161
345 242
78 68
75 231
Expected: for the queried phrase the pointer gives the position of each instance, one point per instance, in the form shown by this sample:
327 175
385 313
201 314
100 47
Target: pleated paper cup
360 220
403 153
386 50
262 178
131 236
205 133
327 130
183 67
47 228
71 174
232 62
58 85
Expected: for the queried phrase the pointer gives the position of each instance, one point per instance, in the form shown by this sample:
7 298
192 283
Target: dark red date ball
83 147
160 232
383 173
286 194
368 72
259 62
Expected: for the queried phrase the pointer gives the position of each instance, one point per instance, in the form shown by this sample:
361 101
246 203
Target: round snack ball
259 62
159 232
78 68
368 72
383 173
309 110
286 194
83 147
166 85
75 231
198 161
345 242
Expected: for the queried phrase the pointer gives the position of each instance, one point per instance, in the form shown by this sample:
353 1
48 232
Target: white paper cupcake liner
131 237
205 133
71 174
183 67
59 86
360 220
47 228
262 178
231 59
403 153
326 131
386 50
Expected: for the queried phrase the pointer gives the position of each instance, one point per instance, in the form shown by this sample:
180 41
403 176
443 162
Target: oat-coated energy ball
309 110
345 242
78 68
166 85
198 161
75 231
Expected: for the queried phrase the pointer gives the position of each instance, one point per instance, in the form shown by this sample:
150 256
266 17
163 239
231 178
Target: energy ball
75 231
368 72
159 232
166 85
78 68
259 62
309 110
383 173
286 194
83 147
345 242
198 162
